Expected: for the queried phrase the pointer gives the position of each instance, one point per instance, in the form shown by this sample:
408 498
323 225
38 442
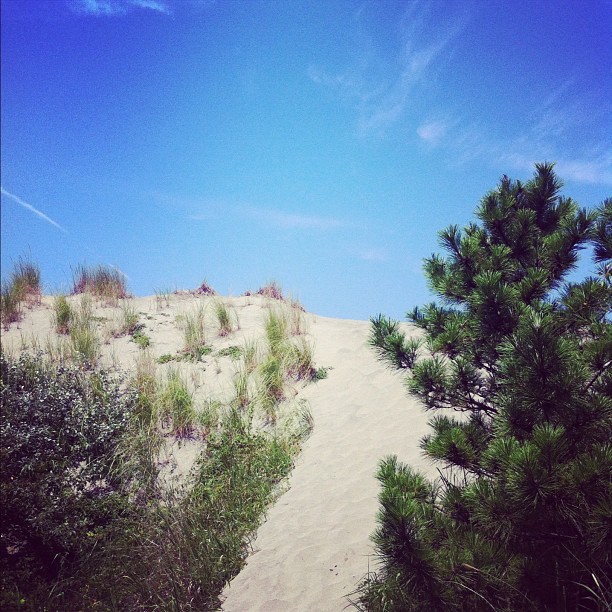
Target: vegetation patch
233 352
101 281
23 285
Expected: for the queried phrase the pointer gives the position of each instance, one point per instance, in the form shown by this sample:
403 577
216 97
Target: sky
319 144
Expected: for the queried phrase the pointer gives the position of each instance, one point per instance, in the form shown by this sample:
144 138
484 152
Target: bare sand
314 546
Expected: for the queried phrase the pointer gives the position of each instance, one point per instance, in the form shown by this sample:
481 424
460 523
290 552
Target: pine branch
599 373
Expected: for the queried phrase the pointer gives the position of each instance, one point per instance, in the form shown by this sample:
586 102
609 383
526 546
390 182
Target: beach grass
226 317
102 281
63 314
194 332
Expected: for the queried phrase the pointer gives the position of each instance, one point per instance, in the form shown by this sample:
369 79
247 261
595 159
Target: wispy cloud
382 93
374 254
285 220
565 128
31 208
113 8
432 132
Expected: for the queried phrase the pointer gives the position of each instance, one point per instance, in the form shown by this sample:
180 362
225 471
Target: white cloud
111 8
374 254
31 208
292 220
382 91
432 132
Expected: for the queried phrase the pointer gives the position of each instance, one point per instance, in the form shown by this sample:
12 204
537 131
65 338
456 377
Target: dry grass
103 282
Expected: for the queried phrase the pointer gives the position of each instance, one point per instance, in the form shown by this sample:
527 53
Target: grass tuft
101 281
194 332
62 314
176 405
226 317
23 284
84 340
271 290
10 304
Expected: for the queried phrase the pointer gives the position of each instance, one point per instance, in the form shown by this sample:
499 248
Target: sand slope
314 547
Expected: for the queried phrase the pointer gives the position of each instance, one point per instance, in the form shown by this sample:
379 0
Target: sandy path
314 547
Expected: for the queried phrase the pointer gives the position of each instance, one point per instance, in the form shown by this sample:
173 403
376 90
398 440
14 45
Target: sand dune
314 546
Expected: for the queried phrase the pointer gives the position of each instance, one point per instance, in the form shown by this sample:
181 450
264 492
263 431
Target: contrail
30 207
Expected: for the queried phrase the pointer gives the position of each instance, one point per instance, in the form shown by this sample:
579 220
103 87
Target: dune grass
84 339
175 405
194 331
26 279
102 281
10 304
300 360
22 285
62 314
226 318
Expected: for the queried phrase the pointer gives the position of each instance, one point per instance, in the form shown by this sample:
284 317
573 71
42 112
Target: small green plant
225 317
276 331
209 417
84 343
166 358
84 340
242 397
62 314
141 339
251 355
321 374
129 319
23 284
176 405
233 352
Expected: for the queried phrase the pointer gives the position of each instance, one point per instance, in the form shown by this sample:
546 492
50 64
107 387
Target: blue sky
321 144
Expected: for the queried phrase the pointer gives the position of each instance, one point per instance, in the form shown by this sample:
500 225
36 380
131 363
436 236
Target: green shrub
60 493
193 543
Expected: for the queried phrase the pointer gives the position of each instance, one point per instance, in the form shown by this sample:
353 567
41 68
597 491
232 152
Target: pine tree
515 366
